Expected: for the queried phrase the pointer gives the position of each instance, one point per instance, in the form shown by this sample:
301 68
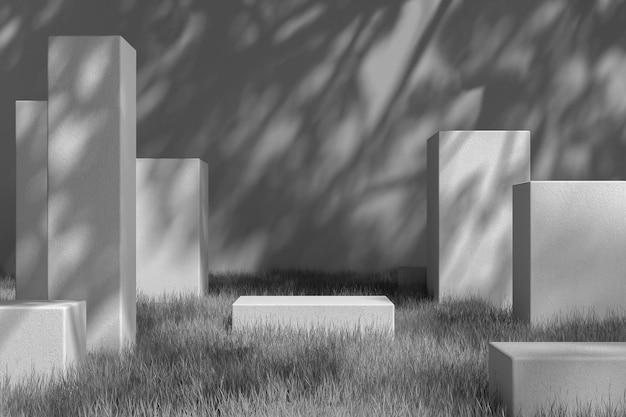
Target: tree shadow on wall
313 115
271 94
552 68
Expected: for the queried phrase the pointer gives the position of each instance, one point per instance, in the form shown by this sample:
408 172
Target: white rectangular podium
569 247
366 314
470 220
172 226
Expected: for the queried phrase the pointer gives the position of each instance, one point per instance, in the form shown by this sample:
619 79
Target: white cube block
413 277
31 198
352 313
470 175
529 376
91 179
569 246
40 338
172 226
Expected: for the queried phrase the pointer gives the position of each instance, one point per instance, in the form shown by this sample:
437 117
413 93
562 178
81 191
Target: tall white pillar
31 214
91 200
470 213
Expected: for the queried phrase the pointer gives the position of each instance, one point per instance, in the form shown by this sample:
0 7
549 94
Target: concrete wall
314 116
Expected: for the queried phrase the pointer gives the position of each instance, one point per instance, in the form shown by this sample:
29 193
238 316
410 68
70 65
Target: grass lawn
187 362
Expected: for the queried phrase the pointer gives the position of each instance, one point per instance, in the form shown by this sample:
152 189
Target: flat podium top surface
313 300
37 304
562 350
558 182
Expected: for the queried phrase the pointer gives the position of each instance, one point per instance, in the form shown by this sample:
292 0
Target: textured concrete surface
569 245
31 214
40 337
172 226
470 179
532 375
91 179
363 313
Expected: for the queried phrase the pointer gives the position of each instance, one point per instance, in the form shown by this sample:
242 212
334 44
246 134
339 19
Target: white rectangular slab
569 248
91 179
172 226
470 175
40 338
528 376
363 313
31 193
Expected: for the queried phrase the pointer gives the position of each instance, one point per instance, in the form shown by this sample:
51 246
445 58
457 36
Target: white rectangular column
91 200
530 376
40 338
172 226
31 195
569 247
470 175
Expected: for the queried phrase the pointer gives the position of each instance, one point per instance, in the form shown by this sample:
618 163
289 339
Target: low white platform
41 337
532 375
363 313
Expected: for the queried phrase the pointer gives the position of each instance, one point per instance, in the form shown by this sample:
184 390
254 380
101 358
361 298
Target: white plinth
470 175
31 193
363 313
172 226
569 248
40 337
533 375
91 178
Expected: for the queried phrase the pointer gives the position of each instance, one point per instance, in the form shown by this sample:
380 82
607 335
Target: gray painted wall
313 115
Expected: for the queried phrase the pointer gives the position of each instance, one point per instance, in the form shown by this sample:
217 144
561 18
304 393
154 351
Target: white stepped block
91 179
31 219
528 376
40 338
569 246
362 313
470 175
172 226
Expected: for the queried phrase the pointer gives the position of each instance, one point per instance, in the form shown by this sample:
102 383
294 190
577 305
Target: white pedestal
569 248
91 166
528 376
470 175
31 192
363 313
40 337
172 226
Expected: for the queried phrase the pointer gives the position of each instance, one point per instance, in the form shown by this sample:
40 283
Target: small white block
528 376
569 246
43 337
31 197
363 313
172 226
470 212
